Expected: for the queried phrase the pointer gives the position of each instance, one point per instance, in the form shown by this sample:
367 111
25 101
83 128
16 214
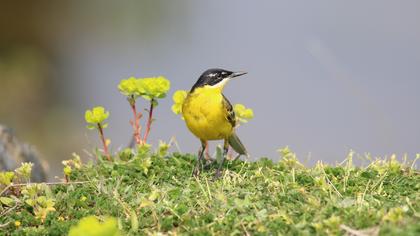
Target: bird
209 115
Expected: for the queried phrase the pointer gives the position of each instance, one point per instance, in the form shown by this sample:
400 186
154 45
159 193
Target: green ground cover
151 193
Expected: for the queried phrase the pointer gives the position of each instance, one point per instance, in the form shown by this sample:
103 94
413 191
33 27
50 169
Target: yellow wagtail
210 116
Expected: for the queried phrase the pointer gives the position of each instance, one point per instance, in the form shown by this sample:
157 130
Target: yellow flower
90 226
242 113
128 87
154 87
67 170
96 116
17 223
150 88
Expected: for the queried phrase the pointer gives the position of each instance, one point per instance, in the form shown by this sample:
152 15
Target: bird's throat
219 85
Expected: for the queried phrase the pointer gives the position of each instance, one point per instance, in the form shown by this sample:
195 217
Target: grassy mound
150 193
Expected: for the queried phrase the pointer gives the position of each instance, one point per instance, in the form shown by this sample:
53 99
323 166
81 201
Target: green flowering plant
395 215
387 166
75 163
67 172
41 204
7 201
24 171
178 98
142 163
96 117
151 89
330 226
288 158
141 159
243 114
163 148
96 120
128 87
6 178
126 154
31 191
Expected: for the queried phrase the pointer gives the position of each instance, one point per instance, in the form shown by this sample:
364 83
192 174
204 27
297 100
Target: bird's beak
238 73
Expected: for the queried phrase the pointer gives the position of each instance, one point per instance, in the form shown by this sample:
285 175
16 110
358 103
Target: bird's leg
207 156
197 167
209 160
237 157
225 151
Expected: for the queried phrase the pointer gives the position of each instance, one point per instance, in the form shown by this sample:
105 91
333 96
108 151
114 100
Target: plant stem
149 121
136 122
101 132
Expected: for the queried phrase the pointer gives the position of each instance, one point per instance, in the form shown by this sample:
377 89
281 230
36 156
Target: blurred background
324 77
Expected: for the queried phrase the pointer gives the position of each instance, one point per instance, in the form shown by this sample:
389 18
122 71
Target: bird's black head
215 77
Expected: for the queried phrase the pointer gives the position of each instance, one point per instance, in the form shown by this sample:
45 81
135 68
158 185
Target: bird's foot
196 171
218 174
209 162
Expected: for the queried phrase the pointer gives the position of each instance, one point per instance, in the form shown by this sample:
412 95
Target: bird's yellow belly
205 115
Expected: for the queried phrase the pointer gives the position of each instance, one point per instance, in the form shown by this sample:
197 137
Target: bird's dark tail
237 145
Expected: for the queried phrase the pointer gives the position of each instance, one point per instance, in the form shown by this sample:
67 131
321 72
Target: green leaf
155 103
30 202
143 164
154 195
163 148
134 221
6 178
143 150
219 153
126 154
24 170
7 201
91 127
163 95
146 203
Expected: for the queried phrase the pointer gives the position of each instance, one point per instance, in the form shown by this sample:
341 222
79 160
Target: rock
13 153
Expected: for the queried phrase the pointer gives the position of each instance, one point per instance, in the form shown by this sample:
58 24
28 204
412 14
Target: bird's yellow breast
205 115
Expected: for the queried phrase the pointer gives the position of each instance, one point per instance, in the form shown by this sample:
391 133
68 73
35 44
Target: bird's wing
230 112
